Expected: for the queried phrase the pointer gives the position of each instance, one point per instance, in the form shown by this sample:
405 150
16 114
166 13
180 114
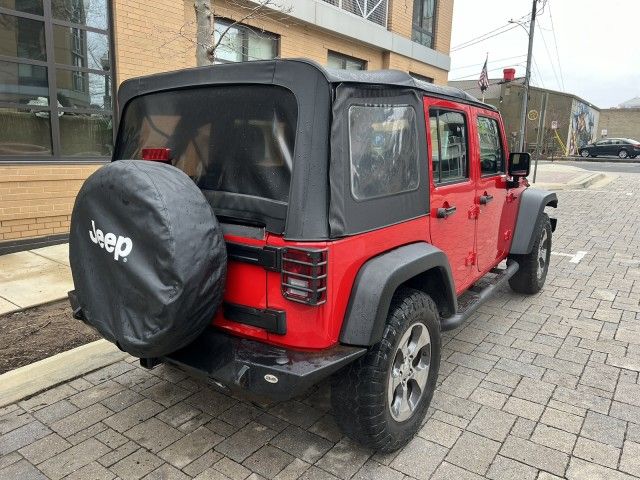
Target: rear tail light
304 275
157 154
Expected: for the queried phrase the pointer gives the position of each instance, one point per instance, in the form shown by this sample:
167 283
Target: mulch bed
40 332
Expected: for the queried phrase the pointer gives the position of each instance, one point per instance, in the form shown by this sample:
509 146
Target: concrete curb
581 182
34 378
39 304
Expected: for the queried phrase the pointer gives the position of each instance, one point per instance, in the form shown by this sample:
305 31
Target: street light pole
527 79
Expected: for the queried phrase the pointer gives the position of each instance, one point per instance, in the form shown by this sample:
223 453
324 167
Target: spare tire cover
147 255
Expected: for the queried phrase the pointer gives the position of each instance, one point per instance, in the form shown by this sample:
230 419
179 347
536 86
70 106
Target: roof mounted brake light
157 154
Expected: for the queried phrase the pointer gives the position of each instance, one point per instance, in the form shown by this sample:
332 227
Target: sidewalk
34 277
555 176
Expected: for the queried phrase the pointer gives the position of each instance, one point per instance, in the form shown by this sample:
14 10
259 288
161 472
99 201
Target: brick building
575 119
620 122
78 51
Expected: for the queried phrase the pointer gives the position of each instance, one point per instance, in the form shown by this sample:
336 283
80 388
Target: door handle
445 212
484 199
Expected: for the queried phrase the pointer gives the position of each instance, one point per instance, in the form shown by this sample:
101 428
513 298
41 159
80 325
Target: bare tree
207 42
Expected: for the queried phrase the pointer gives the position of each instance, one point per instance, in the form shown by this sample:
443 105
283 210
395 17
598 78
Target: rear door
489 153
452 197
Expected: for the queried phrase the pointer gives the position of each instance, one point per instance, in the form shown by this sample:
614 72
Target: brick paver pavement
536 387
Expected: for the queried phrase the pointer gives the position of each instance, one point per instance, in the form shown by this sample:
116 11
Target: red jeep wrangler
270 224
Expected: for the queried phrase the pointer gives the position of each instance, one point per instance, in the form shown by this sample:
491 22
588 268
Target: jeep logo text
120 246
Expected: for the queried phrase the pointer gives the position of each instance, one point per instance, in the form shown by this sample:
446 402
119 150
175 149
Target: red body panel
475 239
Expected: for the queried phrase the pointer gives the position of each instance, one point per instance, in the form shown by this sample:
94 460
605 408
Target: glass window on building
422 78
241 43
424 22
55 80
345 62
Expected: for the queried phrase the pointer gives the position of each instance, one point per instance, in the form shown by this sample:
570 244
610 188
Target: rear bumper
247 365
258 368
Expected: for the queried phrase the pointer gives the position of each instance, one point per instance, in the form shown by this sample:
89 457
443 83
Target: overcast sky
598 45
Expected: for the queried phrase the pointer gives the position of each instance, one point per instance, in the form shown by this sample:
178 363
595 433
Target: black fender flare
377 281
532 205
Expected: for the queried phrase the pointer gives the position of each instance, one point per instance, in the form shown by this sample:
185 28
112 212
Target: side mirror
519 164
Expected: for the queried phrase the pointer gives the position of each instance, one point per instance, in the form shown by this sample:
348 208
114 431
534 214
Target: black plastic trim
273 321
267 257
378 280
454 321
532 205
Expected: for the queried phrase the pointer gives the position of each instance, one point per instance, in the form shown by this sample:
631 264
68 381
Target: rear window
234 139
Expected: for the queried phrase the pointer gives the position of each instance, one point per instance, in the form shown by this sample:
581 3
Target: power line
460 45
479 36
553 68
535 65
483 39
555 41
490 62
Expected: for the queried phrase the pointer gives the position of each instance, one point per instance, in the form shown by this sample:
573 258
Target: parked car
621 147
268 235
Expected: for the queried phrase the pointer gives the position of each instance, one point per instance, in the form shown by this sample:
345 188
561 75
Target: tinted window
92 13
236 139
242 43
383 150
448 146
491 156
22 38
338 60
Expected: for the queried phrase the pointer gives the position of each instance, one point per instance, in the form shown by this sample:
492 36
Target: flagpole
485 66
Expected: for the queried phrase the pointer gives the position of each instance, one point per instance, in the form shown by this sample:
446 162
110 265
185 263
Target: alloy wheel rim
585 153
542 253
409 372
622 154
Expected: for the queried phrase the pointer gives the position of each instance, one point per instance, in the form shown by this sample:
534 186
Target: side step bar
481 296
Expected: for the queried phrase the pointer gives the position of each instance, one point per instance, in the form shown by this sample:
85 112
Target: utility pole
527 79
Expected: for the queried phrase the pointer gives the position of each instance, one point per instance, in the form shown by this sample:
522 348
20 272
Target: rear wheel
534 266
623 153
584 153
382 398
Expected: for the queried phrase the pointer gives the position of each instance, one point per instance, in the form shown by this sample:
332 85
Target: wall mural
583 128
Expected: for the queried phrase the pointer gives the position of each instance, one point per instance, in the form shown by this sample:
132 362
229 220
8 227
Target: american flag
483 81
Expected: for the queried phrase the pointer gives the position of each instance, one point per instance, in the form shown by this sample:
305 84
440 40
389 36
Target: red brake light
304 275
156 154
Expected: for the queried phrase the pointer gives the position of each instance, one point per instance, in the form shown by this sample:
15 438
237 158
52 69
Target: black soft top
259 71
320 204
399 78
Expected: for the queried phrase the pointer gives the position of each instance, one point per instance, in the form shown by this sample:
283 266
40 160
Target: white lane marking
578 256
575 257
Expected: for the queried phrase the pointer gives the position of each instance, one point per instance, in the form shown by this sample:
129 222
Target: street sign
532 115
554 125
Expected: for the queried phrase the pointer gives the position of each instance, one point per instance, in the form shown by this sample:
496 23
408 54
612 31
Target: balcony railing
373 10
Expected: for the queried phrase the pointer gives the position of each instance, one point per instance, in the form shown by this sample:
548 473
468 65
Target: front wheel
623 154
381 399
534 266
584 153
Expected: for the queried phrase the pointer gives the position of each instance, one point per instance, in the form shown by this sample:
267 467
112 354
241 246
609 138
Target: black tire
623 153
360 392
584 153
632 156
531 275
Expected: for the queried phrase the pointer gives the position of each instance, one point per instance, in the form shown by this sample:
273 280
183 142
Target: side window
491 153
383 150
448 146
